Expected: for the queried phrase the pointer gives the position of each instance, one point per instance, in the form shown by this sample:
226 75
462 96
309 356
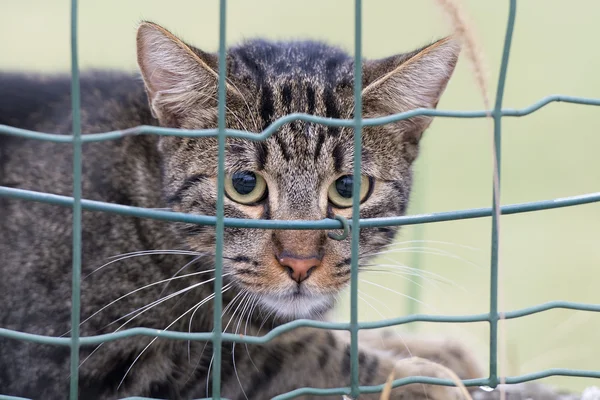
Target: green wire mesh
219 221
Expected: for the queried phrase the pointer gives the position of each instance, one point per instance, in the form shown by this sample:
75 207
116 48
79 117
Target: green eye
245 187
340 191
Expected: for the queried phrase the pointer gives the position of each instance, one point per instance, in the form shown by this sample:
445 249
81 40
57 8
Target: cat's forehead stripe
310 100
267 108
263 59
331 110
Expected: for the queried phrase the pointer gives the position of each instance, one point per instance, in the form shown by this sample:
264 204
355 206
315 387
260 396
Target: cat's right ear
407 81
177 78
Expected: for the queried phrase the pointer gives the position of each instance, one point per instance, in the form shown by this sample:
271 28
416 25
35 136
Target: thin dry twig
445 370
387 389
465 31
463 28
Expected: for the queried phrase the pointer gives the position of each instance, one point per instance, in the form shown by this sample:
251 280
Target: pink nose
299 269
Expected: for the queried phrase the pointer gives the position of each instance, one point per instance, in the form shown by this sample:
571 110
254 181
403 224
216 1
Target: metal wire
218 283
352 226
354 326
76 270
496 114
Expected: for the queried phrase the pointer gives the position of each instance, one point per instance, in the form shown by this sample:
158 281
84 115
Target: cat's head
304 170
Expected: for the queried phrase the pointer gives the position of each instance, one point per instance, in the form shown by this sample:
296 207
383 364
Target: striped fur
265 81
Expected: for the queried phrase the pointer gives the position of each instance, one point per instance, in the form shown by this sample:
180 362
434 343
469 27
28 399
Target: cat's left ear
408 81
179 79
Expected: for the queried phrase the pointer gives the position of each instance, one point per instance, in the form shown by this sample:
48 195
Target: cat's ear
408 81
177 77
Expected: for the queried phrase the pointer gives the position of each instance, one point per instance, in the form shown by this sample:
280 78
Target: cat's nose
299 269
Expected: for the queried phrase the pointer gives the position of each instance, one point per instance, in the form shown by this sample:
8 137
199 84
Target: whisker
396 292
403 275
245 293
206 343
145 308
232 302
377 300
150 305
396 332
254 304
225 288
202 302
264 321
415 249
250 113
178 271
464 246
412 271
126 256
165 251
392 244
429 276
147 286
382 317
222 314
378 312
246 307
428 251
373 308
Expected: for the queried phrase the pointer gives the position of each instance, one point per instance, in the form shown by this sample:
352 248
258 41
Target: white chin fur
296 307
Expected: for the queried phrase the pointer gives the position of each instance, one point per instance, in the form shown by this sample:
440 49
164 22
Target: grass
549 255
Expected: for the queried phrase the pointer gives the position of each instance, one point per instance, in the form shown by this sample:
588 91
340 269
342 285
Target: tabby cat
142 272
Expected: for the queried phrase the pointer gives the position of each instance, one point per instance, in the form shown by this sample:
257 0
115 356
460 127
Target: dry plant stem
387 390
464 30
445 370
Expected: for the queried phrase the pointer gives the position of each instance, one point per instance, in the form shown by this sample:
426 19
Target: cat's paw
415 366
447 352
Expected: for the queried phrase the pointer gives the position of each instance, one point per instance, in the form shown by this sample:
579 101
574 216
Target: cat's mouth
298 303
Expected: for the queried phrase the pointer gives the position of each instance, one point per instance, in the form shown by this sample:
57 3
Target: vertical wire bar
218 283
414 288
497 115
76 269
354 382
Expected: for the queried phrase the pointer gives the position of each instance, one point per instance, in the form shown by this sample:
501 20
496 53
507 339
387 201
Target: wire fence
352 227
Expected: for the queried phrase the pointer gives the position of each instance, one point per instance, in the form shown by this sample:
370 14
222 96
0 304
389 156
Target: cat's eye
245 187
340 191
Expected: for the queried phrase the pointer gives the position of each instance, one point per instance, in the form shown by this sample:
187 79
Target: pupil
243 182
344 186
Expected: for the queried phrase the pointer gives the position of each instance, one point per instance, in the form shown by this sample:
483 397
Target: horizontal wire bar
568 305
406 381
377 388
442 382
229 337
155 130
5 397
552 372
93 205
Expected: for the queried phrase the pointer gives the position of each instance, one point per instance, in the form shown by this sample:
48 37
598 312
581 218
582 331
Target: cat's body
266 270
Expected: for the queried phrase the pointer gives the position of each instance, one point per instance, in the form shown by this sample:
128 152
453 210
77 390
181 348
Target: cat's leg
317 358
445 351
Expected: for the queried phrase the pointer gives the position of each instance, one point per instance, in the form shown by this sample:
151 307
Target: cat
303 171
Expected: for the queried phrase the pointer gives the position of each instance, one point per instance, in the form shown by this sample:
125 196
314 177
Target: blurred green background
548 255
